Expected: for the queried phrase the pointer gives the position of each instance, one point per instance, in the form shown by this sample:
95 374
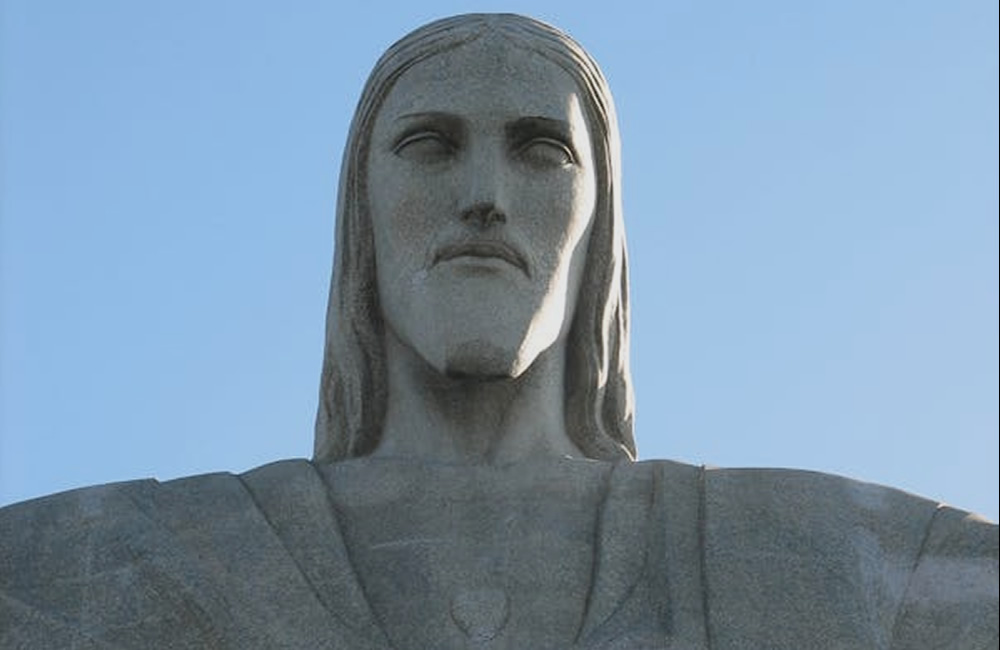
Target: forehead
489 75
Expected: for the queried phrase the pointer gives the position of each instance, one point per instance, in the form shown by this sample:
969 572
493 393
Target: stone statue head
598 393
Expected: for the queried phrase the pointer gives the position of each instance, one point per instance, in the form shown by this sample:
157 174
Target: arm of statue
792 556
219 561
951 599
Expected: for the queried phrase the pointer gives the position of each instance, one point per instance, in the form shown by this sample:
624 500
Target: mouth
482 249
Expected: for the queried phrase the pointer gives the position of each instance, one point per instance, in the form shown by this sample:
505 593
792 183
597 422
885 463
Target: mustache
495 248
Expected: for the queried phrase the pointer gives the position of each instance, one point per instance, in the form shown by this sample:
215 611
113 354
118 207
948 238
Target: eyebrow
408 124
528 124
527 127
429 116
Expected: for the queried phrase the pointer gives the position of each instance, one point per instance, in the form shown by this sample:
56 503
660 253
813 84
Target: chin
482 360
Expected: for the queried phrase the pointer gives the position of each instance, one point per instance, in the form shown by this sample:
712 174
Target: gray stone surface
474 483
378 553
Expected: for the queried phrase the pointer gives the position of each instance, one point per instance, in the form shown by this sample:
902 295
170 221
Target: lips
484 249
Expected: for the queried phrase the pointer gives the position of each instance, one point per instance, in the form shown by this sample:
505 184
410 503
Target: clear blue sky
811 196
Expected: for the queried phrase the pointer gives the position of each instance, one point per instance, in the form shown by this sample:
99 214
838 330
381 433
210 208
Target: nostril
495 216
484 214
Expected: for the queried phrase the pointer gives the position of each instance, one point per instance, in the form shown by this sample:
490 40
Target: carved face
481 189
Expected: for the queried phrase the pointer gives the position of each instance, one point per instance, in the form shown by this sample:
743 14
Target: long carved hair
599 401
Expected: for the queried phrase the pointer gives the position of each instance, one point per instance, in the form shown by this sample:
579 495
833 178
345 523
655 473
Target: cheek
569 213
583 204
404 223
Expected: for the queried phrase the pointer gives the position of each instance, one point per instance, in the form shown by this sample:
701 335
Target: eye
546 152
424 146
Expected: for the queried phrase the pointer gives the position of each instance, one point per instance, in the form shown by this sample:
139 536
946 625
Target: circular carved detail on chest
481 612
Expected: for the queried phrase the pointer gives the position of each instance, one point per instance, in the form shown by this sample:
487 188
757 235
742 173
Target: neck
473 419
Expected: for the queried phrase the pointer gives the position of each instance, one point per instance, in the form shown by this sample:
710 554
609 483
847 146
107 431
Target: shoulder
67 558
952 596
200 559
81 521
792 552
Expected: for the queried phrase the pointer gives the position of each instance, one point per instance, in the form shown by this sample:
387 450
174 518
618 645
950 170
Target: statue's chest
446 562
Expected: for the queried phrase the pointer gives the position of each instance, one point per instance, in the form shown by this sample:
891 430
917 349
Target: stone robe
376 554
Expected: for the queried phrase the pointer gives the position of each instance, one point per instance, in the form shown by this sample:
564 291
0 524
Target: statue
474 482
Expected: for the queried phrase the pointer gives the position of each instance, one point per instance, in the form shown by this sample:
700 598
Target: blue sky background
811 197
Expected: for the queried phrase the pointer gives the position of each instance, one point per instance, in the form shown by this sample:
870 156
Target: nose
484 179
